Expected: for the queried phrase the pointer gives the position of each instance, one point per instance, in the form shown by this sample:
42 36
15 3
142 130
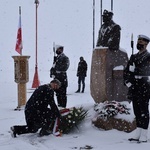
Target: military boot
78 91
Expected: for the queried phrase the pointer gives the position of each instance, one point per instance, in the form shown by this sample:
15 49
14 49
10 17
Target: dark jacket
142 69
109 36
61 65
82 68
142 66
39 101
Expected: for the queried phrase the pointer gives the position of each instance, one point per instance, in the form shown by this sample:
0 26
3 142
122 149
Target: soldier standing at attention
136 78
59 71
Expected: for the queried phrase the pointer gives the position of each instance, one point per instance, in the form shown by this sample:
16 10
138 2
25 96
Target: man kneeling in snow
37 113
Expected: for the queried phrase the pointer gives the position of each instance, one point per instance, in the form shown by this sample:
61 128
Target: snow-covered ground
66 22
87 135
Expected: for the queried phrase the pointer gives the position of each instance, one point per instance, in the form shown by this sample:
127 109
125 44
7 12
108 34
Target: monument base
114 123
107 75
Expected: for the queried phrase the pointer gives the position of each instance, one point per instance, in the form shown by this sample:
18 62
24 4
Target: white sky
66 22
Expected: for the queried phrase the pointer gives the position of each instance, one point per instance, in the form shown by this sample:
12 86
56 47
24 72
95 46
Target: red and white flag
19 45
56 130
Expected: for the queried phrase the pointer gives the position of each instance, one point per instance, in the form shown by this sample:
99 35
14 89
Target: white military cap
58 46
144 37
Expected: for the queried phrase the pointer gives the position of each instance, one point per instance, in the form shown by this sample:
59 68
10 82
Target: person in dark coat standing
109 33
137 79
40 111
59 71
81 74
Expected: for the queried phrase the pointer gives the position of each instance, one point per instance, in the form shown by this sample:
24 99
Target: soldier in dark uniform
81 74
136 77
109 33
40 111
59 71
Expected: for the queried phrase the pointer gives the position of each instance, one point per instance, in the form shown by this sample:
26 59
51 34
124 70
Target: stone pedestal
114 123
21 94
107 75
21 74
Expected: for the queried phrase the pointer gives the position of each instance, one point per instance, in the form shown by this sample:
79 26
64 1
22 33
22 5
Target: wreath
71 118
109 109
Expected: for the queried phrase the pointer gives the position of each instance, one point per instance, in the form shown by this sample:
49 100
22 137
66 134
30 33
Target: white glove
131 68
53 76
128 84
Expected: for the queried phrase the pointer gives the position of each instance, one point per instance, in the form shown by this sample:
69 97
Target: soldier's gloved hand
127 83
132 67
52 72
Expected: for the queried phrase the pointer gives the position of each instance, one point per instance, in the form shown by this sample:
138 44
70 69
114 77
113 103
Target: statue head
107 16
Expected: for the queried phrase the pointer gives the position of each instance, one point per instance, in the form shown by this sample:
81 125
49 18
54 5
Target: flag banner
70 119
56 130
19 36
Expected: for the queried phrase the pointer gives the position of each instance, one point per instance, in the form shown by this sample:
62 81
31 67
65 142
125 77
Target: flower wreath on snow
109 109
71 117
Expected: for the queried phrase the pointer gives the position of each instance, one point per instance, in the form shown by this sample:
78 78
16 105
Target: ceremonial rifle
132 44
54 50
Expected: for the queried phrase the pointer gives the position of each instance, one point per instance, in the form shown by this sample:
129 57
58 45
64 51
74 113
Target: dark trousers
141 112
61 95
141 104
35 120
81 79
23 129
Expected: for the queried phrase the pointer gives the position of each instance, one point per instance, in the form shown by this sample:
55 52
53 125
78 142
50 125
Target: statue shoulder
116 26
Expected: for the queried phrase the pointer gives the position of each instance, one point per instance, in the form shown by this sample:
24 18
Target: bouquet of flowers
70 119
110 109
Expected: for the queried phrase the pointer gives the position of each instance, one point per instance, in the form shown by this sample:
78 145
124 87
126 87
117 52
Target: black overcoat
41 103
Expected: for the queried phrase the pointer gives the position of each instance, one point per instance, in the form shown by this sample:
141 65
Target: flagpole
19 45
21 27
93 24
36 81
36 3
112 5
101 8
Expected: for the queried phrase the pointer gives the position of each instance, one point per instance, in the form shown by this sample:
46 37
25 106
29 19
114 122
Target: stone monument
108 62
107 75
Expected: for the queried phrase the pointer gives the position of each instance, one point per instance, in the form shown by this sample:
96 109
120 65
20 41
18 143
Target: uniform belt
60 71
140 77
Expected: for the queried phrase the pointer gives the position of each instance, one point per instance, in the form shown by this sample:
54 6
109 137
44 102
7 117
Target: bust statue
109 33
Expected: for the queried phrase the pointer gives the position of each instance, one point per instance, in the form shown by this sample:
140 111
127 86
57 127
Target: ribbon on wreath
56 130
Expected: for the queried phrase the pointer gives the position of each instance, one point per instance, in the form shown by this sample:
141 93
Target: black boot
78 91
44 132
13 132
83 89
17 130
47 130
